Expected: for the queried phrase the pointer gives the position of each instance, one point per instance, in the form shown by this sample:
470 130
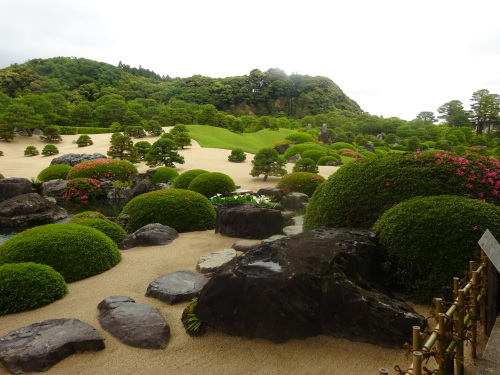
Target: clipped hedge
183 210
184 179
54 172
26 286
108 227
300 148
326 159
430 240
75 251
359 192
342 145
300 137
314 154
302 182
212 183
103 169
164 175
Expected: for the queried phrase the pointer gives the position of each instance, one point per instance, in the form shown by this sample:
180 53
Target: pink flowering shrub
114 169
82 189
301 182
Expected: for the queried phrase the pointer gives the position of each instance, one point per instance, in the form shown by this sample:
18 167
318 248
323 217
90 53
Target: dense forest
82 93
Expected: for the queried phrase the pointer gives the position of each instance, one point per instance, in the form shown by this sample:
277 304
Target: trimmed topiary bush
84 140
300 137
349 153
164 174
31 151
109 228
75 251
26 286
183 210
341 145
88 215
302 182
82 188
305 165
103 169
184 179
54 172
299 149
314 154
430 240
212 183
237 156
49 150
359 192
327 159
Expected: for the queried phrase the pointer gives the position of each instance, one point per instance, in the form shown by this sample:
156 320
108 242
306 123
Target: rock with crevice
210 263
74 159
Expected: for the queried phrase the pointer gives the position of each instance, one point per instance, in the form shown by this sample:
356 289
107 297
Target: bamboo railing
445 344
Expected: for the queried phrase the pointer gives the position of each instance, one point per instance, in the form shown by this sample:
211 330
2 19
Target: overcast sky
393 57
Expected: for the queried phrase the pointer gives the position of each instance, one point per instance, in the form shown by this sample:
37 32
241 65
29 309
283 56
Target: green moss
302 182
113 169
25 286
183 210
184 179
109 228
75 251
164 175
88 215
54 172
212 183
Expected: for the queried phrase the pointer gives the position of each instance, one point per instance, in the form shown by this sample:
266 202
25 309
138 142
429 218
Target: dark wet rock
135 324
249 221
120 192
54 188
150 235
13 186
179 286
143 186
282 148
74 159
210 263
29 209
318 282
40 346
274 193
295 201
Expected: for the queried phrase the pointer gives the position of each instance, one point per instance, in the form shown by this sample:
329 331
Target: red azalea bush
82 188
114 169
301 182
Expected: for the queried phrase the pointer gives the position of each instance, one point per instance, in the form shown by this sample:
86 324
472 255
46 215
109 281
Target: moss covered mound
184 179
109 228
25 286
75 251
302 182
164 175
114 169
300 137
183 210
88 215
212 183
54 172
300 148
430 240
359 192
314 154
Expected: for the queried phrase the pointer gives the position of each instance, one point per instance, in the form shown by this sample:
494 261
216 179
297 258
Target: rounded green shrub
49 150
302 182
164 174
31 151
300 148
359 192
84 140
305 165
82 188
212 183
237 156
88 215
25 286
113 169
108 227
184 179
430 240
314 154
54 172
75 251
183 210
300 137
326 159
1 176
341 145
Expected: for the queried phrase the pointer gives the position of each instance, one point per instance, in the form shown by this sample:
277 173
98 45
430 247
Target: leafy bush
212 183
305 165
51 133
380 151
242 198
54 172
300 137
109 228
192 324
326 159
184 179
300 148
237 156
268 162
84 140
341 145
1 176
429 240
31 151
25 286
301 182
359 192
143 148
88 215
135 131
349 153
82 188
49 150
103 169
314 154
75 251
164 174
183 210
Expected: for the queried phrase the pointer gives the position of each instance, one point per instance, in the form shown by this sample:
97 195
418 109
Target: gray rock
29 209
149 235
120 192
274 193
210 263
370 147
282 148
143 186
74 159
294 158
295 201
40 346
245 245
54 188
135 324
176 287
13 186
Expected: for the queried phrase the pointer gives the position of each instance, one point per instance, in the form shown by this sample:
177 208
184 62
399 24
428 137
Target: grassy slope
210 136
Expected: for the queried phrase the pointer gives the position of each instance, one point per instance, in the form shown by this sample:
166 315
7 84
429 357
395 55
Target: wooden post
473 313
460 333
483 276
492 296
441 345
455 286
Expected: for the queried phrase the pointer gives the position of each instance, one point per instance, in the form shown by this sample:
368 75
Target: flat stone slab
40 346
210 263
179 286
245 245
135 324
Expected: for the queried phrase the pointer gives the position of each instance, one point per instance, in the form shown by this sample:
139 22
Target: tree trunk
265 177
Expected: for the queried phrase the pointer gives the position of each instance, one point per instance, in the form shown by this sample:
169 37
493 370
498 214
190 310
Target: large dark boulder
40 346
135 324
74 159
317 282
250 221
29 209
14 186
149 235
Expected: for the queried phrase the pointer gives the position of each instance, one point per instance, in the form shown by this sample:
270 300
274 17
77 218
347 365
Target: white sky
393 57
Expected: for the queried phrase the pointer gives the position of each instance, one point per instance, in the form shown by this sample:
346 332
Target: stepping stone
210 263
176 287
135 324
245 245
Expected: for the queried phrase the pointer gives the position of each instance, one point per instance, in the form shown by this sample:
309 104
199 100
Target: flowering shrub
82 188
359 192
113 169
349 153
429 240
242 198
302 182
184 179
54 172
212 183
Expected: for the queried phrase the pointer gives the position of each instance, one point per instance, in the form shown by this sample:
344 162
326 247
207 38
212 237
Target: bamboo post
473 312
460 333
417 363
492 296
441 345
417 338
455 286
484 291
383 371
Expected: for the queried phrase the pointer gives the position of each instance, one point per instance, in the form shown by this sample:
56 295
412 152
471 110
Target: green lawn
210 136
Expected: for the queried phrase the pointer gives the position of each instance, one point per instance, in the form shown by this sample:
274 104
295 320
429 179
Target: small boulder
274 193
120 192
54 188
150 235
210 263
29 209
295 201
176 287
13 186
74 159
143 186
245 245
